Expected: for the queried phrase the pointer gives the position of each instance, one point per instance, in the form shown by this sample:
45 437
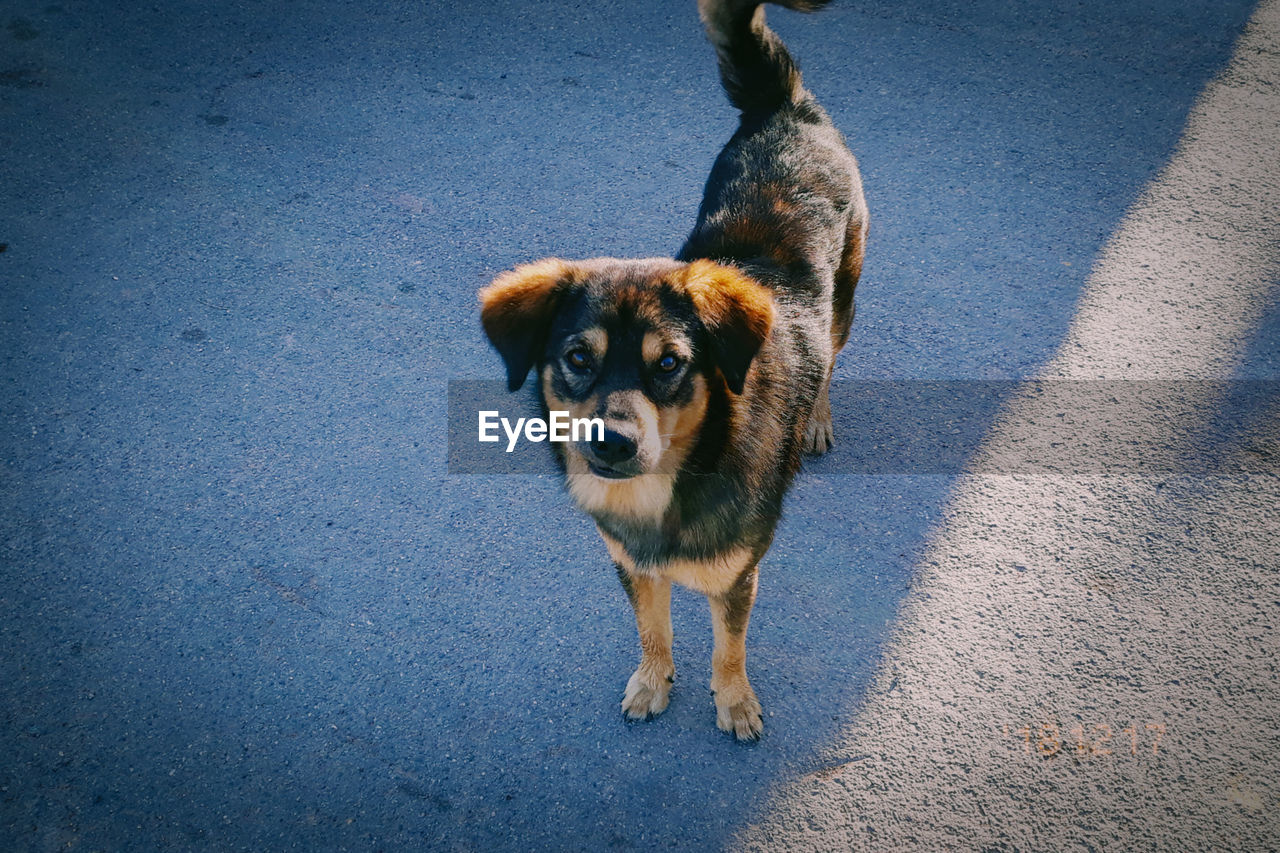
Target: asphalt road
244 604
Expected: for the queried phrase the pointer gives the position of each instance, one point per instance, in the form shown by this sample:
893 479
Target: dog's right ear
516 310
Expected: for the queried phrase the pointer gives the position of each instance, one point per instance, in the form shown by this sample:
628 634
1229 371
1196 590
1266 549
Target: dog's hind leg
820 435
650 685
737 708
847 275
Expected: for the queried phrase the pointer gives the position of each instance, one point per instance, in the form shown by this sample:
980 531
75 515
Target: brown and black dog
710 371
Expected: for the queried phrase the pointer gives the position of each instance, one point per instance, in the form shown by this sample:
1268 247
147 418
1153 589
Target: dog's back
784 199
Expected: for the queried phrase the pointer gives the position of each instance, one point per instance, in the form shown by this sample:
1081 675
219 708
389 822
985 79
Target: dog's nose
613 448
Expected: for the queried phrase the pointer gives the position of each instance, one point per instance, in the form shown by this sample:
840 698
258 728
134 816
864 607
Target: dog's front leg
650 685
737 709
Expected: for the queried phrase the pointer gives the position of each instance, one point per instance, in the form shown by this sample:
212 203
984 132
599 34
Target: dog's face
638 344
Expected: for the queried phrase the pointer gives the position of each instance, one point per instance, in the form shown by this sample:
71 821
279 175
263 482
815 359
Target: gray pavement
1089 662
245 604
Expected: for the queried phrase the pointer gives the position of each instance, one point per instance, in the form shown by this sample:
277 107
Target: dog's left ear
736 310
516 310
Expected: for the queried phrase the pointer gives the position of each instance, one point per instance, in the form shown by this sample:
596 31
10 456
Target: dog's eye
668 363
579 359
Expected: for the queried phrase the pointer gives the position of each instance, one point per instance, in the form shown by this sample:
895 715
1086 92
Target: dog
709 370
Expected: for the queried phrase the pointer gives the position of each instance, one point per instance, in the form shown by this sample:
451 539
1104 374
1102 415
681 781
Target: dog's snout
614 447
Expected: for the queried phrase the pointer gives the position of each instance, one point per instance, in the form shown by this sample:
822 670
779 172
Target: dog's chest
710 576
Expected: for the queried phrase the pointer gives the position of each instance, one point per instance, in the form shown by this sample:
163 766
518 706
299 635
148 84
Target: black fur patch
627 585
738 600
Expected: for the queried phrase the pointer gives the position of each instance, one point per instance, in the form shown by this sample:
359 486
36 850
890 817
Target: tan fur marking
650 685
785 206
644 497
680 426
719 291
655 345
515 291
710 577
644 301
641 498
653 621
729 657
737 708
596 338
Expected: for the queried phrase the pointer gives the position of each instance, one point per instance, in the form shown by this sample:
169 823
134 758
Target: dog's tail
757 72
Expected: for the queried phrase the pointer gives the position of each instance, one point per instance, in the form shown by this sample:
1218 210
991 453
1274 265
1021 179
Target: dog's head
638 344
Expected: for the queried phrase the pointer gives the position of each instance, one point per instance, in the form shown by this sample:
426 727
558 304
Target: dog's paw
646 696
738 711
819 436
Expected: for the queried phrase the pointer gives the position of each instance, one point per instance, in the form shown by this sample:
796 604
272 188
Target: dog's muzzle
612 456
